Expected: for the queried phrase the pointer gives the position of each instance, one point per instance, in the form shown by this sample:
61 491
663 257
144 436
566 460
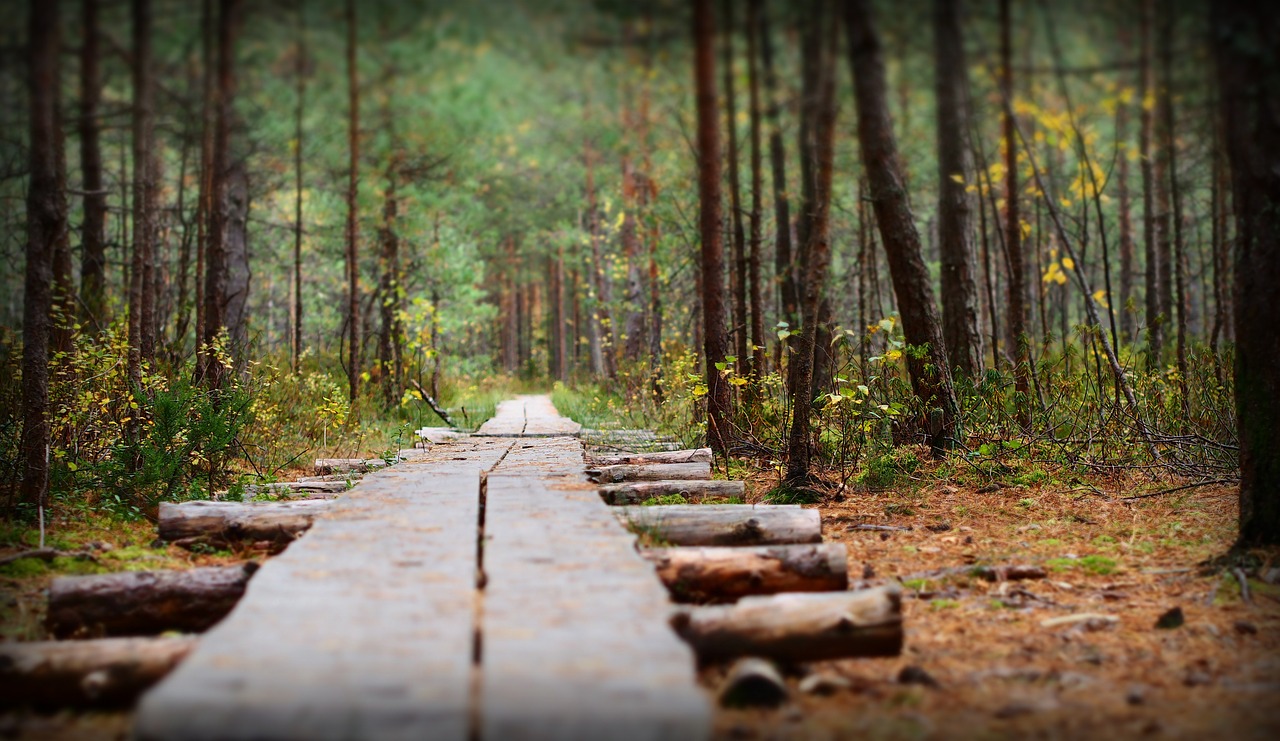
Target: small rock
1171 619
868 572
941 527
968 540
1136 694
885 536
824 683
1032 526
1245 628
916 675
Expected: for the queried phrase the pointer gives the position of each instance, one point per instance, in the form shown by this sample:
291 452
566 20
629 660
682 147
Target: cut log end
110 672
705 575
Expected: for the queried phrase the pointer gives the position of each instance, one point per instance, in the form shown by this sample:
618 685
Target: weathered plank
725 524
693 491
527 416
363 629
576 641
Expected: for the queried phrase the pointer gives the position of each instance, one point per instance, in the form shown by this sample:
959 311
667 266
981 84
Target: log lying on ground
345 465
696 455
139 603
221 523
110 672
642 491
725 524
797 627
727 574
654 472
315 489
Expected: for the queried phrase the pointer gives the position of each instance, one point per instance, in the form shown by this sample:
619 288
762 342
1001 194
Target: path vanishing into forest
479 590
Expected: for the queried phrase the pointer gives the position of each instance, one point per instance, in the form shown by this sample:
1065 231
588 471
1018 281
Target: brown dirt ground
1000 672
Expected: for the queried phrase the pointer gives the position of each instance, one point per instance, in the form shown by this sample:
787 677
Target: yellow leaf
957 178
1068 263
1101 297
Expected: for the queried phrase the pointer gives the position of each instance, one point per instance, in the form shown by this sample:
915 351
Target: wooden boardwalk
481 590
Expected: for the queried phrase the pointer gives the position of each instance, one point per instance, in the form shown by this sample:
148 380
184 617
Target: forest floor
980 662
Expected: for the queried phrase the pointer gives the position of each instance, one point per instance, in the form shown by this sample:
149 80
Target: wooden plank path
480 590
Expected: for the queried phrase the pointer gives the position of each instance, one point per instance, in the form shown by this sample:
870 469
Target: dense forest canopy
516 187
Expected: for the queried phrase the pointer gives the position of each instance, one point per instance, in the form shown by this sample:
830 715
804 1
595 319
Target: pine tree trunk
1013 231
735 197
756 298
784 271
1128 324
296 344
1169 147
930 377
955 173
46 221
140 14
93 264
353 191
713 314
1249 80
1146 96
817 249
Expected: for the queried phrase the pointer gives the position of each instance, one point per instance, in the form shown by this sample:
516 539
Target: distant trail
480 590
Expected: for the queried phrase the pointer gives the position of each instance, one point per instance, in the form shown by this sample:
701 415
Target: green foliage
664 500
1100 565
886 470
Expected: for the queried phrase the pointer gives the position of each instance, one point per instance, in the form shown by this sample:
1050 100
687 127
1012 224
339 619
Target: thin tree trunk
1146 94
389 287
140 14
46 223
93 264
930 377
1169 146
296 344
1128 324
959 289
353 192
735 196
1013 231
211 370
713 314
207 126
756 298
783 269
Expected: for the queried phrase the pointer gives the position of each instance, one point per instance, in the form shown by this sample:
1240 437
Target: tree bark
46 223
727 524
1169 147
930 377
1128 323
139 603
222 523
693 491
1146 94
797 627
353 191
713 313
235 218
93 262
727 574
960 330
111 672
389 289
1249 80
296 345
140 15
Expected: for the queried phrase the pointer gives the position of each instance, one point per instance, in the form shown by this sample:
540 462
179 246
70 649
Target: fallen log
222 523
655 472
298 489
138 603
727 574
348 465
724 524
697 455
104 672
696 491
797 627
